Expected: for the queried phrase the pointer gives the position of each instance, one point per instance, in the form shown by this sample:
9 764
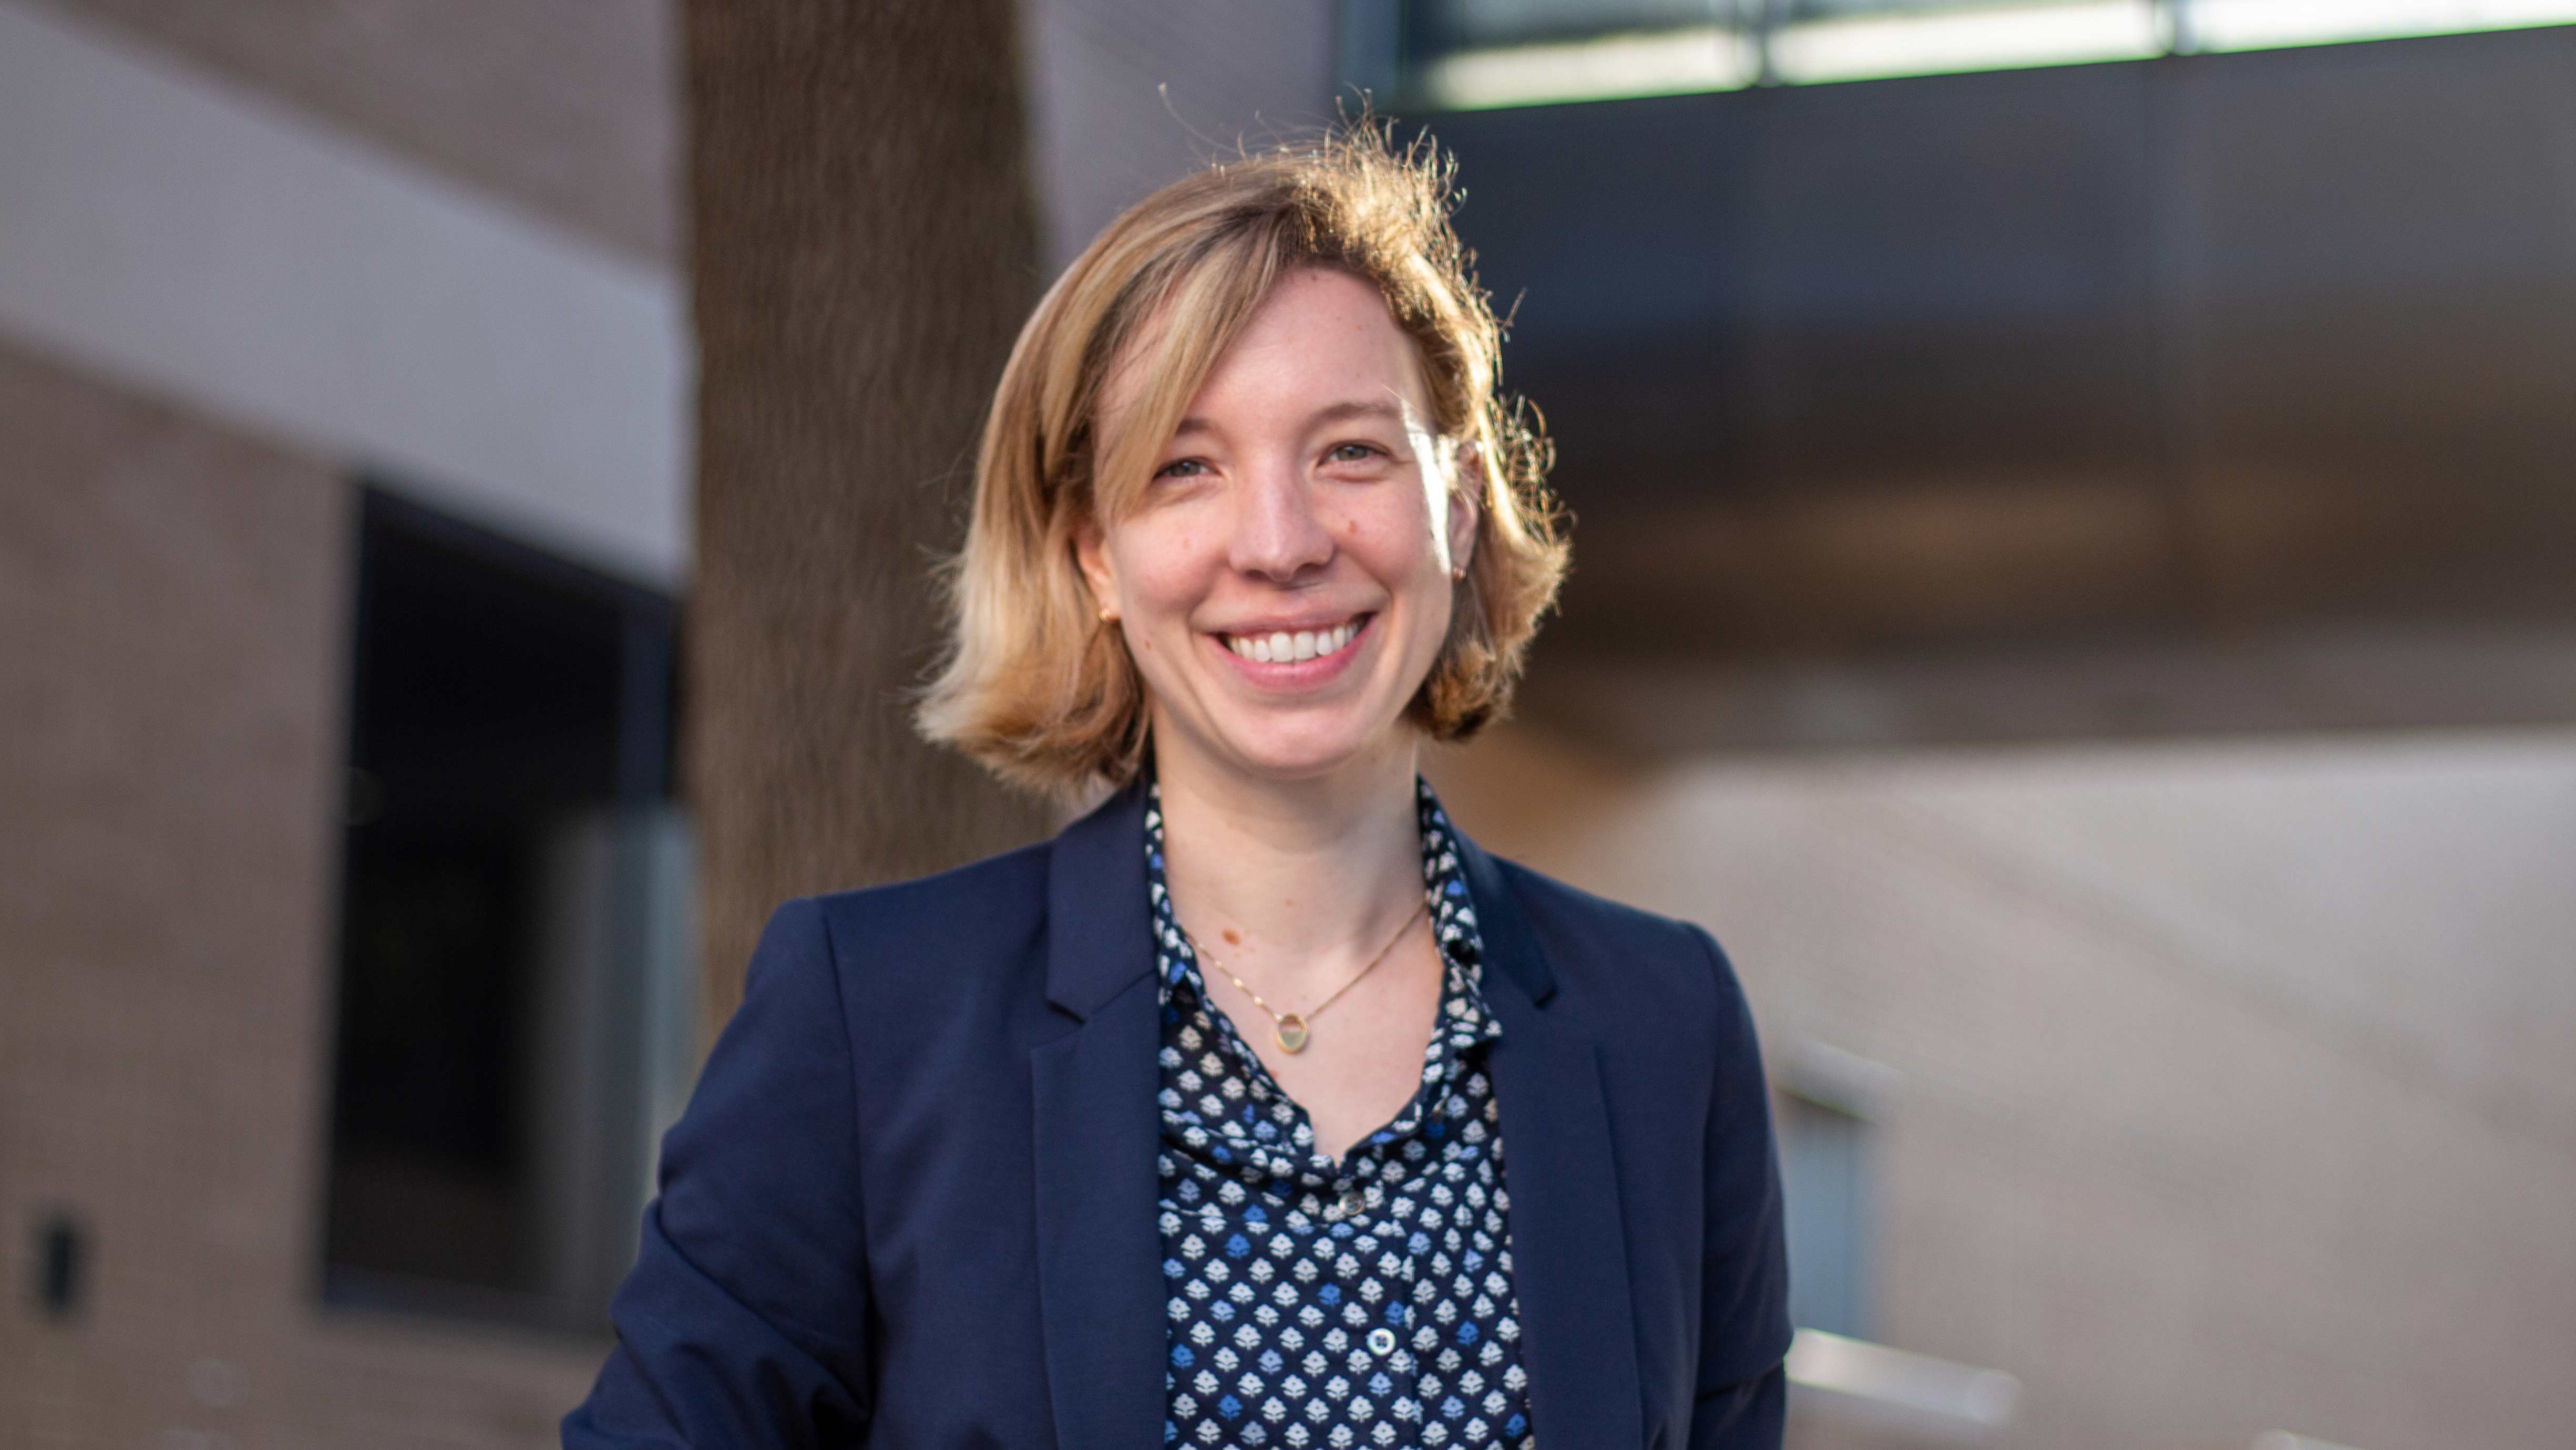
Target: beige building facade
2224 1086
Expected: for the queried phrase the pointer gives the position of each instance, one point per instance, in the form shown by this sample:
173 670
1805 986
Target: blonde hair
1034 685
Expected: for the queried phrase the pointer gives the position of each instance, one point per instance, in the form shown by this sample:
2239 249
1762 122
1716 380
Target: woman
1260 1107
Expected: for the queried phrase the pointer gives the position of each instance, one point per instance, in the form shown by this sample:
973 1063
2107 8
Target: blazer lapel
1569 1249
1100 1281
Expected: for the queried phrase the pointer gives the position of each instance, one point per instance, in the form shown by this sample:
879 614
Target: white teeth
1282 647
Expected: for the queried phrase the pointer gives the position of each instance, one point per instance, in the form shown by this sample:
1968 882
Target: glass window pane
2261 24
1843 40
1832 1223
1478 54
1451 25
1471 56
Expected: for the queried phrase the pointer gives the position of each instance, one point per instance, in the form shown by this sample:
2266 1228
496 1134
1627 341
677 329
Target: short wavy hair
1034 686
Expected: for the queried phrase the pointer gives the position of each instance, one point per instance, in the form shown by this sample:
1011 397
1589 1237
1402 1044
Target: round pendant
1292 1033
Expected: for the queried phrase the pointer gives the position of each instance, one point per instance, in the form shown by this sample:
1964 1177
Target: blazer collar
1099 1259
1504 933
1099 935
1569 1237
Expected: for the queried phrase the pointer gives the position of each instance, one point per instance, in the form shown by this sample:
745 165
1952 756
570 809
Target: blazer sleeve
744 1320
1744 1260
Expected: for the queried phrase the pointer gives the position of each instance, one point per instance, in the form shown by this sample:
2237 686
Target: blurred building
343 380
2074 587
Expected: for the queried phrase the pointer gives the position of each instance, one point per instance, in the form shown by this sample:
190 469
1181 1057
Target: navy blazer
913 1201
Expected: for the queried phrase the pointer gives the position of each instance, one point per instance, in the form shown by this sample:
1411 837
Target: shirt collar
1464 1021
1444 883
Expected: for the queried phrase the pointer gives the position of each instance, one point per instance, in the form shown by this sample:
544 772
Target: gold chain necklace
1290 1028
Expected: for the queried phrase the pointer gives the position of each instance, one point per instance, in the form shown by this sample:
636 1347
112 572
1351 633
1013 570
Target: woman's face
1284 582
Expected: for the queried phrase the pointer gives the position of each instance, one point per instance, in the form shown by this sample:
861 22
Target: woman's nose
1277 533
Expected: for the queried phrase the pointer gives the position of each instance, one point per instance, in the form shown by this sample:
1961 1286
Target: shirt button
1354 1199
1381 1341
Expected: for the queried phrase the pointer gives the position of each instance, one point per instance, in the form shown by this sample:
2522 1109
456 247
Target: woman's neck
1294 885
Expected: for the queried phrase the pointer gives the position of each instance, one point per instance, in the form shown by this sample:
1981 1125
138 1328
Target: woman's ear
1091 554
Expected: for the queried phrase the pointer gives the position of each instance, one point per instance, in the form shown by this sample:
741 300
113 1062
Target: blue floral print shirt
1339 1304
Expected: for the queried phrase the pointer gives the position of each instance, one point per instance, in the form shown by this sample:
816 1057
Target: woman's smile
1290 655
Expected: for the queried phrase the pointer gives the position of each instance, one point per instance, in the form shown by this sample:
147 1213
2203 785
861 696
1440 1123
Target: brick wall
172 608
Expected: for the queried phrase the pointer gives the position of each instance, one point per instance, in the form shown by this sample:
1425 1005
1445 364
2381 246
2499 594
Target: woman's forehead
1321 347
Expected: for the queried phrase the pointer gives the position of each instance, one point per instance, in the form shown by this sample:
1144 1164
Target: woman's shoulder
994 906
1612 951
1568 906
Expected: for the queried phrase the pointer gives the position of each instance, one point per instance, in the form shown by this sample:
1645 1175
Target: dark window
60 1264
512 926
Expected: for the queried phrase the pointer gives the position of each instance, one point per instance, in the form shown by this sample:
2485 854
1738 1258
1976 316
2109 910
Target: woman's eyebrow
1383 409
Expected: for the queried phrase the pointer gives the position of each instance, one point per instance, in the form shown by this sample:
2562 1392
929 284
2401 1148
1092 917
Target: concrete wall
172 229
562 108
2234 1084
172 617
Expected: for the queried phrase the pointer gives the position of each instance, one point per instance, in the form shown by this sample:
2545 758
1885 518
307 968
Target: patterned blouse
1316 1303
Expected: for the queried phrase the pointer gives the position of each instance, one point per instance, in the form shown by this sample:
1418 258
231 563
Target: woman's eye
1352 453
1181 468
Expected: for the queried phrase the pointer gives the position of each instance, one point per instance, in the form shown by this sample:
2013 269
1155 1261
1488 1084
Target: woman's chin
1308 753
